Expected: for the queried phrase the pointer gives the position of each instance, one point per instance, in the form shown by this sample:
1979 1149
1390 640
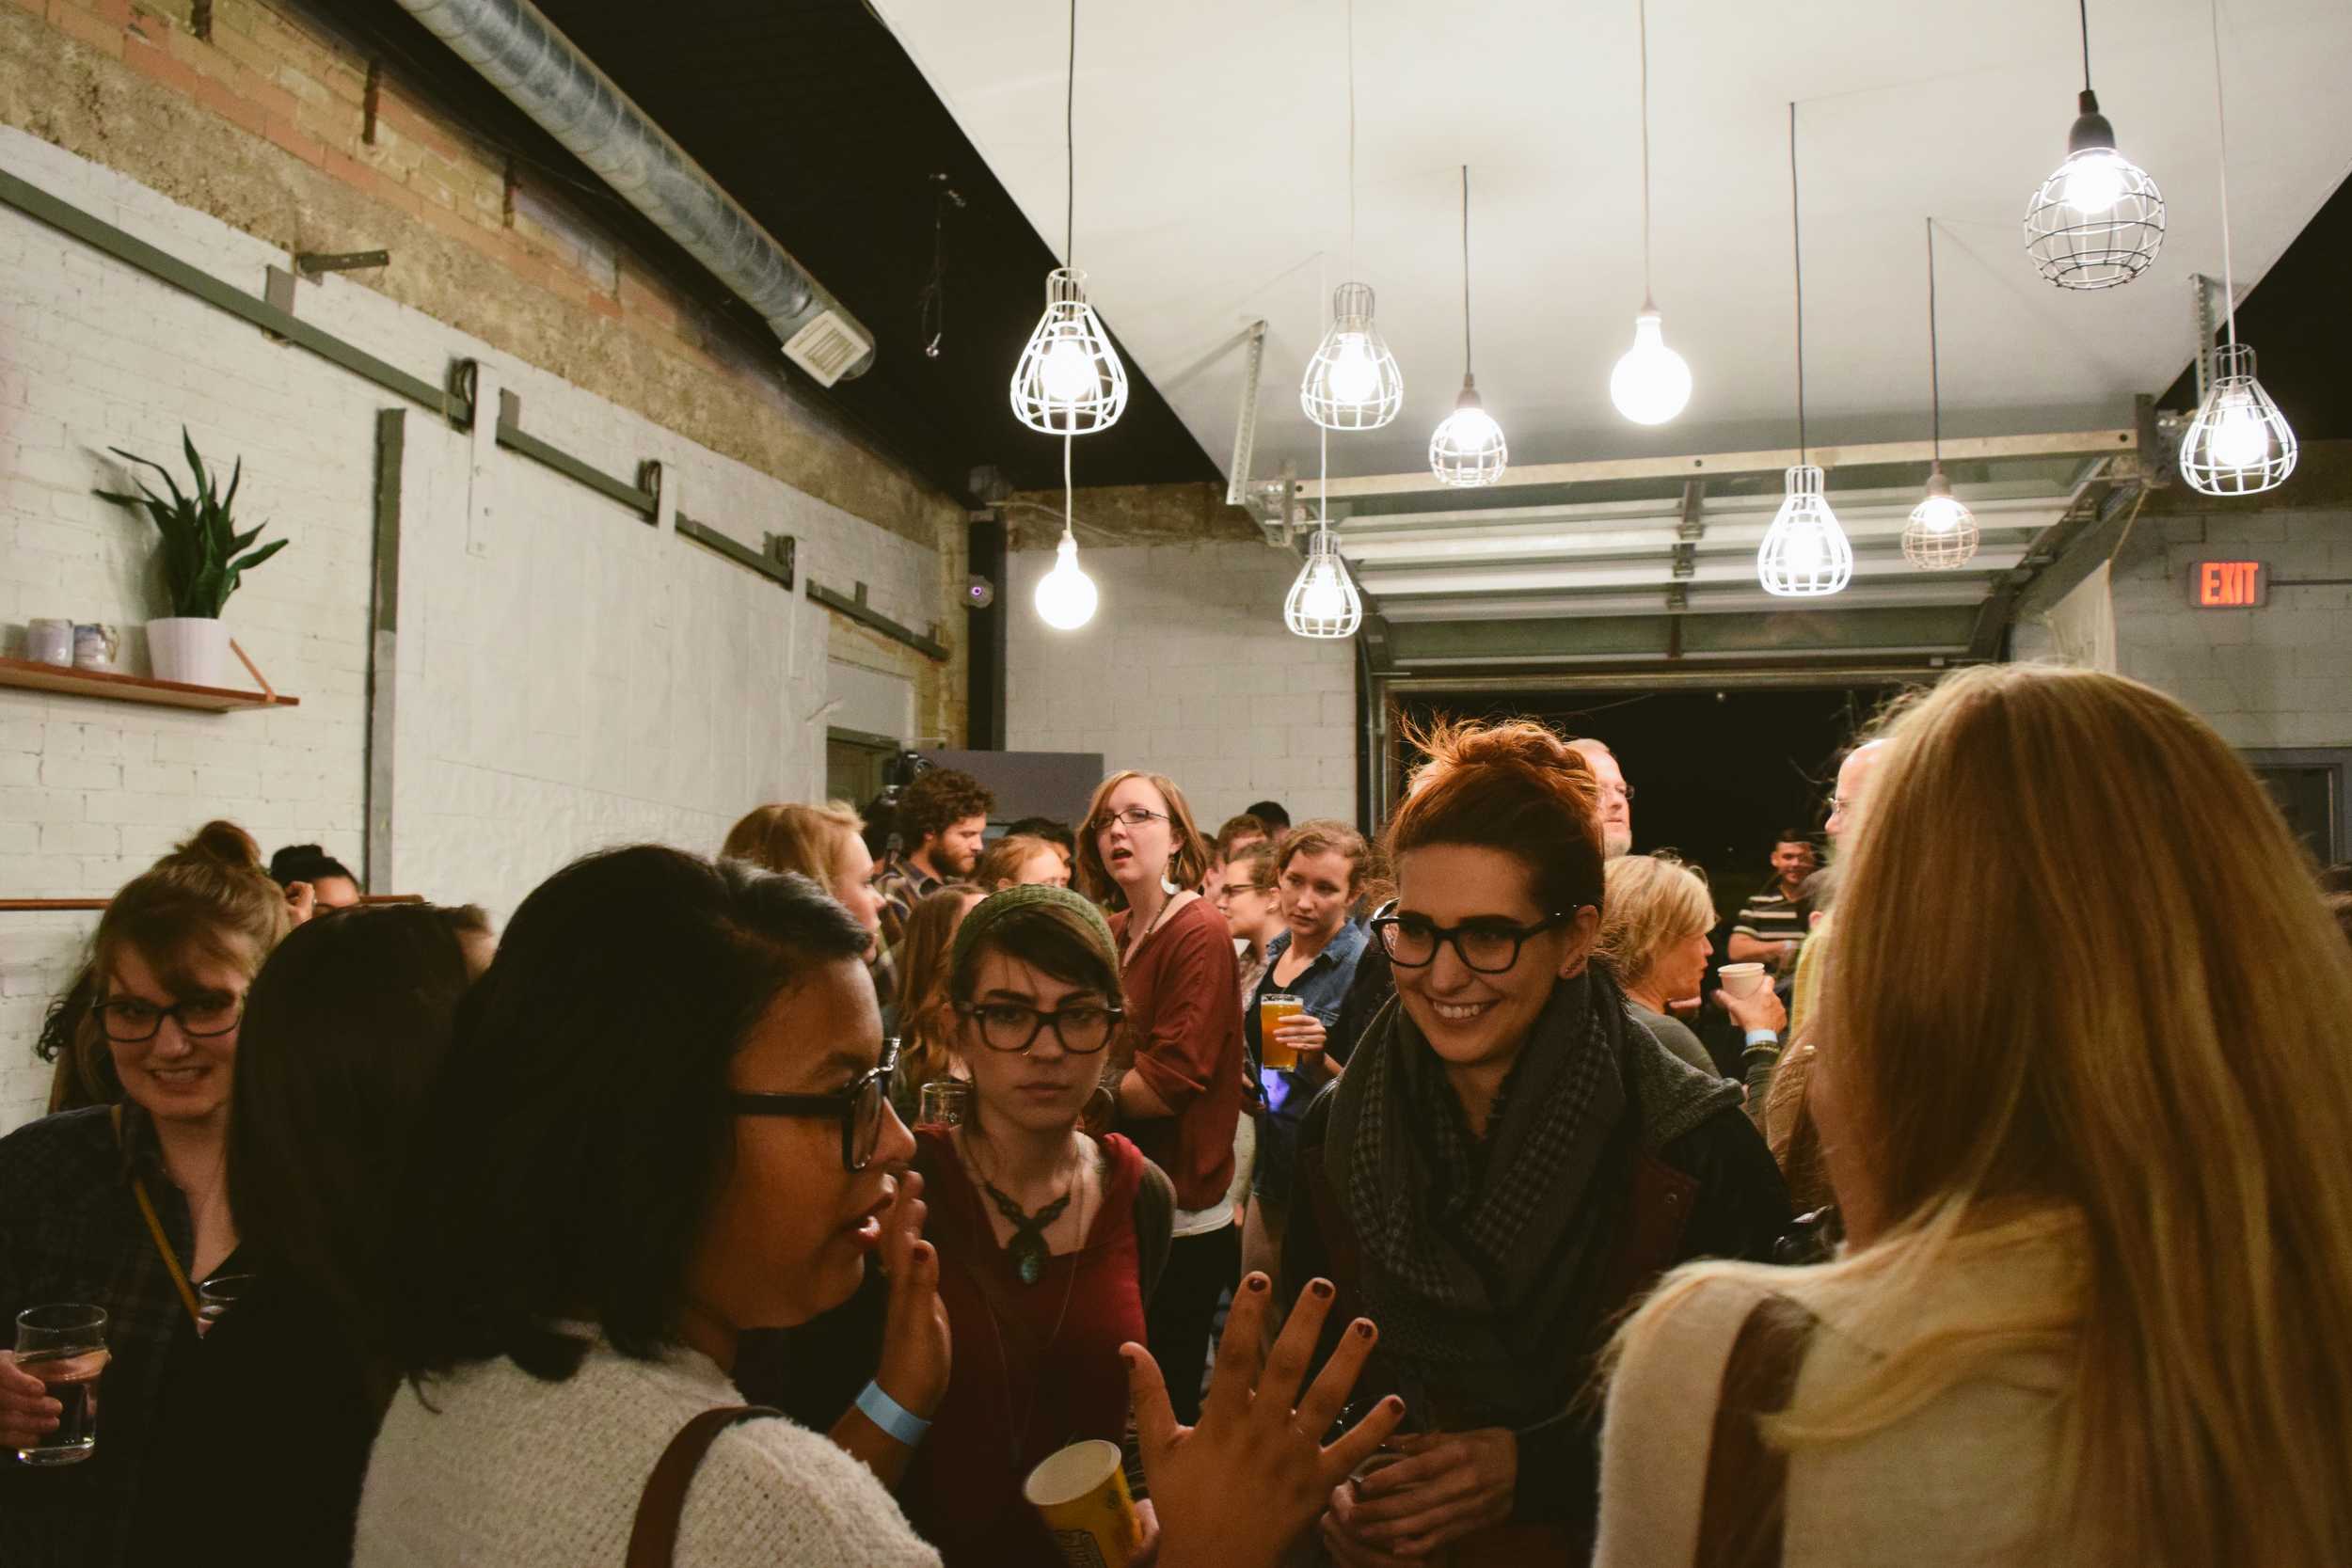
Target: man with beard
942 822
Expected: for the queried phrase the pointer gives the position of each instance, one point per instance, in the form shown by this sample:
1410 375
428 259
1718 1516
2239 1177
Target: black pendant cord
1796 231
2085 15
1027 1246
1070 147
2221 149
1935 365
1467 371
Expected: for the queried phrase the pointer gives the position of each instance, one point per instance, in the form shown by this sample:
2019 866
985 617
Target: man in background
1275 820
1769 929
1616 796
942 822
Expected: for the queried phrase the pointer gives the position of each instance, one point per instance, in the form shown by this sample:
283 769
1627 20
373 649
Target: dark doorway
1716 772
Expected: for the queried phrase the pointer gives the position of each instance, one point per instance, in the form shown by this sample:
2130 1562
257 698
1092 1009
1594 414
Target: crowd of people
1474 1194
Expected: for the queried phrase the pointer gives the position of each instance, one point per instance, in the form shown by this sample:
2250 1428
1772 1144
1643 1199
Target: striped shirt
1770 917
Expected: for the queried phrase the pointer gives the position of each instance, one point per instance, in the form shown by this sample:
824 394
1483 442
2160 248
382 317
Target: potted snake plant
204 559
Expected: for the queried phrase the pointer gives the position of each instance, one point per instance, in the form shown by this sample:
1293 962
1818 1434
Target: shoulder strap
156 1229
1155 1224
1743 1508
653 1539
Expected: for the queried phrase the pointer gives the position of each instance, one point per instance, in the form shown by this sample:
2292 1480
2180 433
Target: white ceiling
1212 179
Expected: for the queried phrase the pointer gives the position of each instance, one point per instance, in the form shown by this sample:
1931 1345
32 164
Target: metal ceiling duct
522 55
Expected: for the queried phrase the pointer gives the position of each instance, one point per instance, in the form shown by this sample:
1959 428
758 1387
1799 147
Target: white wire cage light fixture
1352 381
1467 449
1069 380
2238 444
2098 220
1806 553
1324 602
1941 533
1651 382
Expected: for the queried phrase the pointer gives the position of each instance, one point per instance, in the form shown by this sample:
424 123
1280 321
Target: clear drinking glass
64 1344
944 1103
215 1297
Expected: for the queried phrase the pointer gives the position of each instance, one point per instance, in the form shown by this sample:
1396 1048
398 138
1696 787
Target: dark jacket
1712 1192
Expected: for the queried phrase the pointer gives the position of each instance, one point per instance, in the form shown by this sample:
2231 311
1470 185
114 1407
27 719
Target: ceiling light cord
1466 326
2084 4
1351 138
1649 298
1070 148
1935 366
2221 141
1795 233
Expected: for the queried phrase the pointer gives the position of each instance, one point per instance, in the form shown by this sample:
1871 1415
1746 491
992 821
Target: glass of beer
65 1346
1273 1007
945 1102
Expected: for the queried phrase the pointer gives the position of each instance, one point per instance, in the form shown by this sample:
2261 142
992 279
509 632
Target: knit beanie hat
991 911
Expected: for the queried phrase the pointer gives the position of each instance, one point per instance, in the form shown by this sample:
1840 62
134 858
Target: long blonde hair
2165 1084
806 839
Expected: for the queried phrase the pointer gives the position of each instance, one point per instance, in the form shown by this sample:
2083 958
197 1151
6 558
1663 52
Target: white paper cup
1741 979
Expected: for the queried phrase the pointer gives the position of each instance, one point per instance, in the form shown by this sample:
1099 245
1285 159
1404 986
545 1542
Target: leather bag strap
653 1539
1744 1511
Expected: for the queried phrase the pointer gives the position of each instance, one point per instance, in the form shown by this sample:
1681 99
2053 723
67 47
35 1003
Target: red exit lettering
2228 584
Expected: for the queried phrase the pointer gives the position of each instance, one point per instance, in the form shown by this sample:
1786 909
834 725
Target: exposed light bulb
1467 449
2094 180
1067 372
1804 553
1939 514
1070 380
2239 438
1323 602
1355 376
1352 383
2239 443
1065 596
1941 533
1651 382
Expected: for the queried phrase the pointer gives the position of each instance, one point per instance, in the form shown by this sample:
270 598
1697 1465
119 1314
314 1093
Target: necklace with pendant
1027 1246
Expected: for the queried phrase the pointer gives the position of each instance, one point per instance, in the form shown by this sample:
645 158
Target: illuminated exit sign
2228 584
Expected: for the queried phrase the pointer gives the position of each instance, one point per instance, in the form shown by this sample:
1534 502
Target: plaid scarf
1483 1257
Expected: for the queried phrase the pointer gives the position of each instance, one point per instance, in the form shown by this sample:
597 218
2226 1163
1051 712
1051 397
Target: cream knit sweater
507 1471
1967 1480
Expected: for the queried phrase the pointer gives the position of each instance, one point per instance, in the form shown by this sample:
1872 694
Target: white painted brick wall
577 679
2278 676
1187 670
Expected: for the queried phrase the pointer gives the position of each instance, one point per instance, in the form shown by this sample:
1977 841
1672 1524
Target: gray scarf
1484 1259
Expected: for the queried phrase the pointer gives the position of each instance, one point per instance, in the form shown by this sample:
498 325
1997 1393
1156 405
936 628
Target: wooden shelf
32 675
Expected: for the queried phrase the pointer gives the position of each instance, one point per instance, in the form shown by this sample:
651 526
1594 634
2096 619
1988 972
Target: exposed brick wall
568 676
1187 670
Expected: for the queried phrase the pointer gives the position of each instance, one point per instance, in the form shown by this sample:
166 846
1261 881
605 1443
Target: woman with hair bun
125 1206
1507 1162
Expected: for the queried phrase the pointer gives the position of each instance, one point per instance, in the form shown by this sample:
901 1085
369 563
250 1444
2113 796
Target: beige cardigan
1964 1481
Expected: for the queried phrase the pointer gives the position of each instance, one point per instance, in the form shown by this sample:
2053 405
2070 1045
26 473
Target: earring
1167 886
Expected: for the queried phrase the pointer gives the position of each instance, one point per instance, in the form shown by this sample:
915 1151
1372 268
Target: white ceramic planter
191 649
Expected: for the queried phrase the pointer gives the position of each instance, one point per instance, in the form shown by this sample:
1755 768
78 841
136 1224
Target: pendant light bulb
1652 382
1941 533
1353 382
1065 596
1323 603
2098 220
1806 553
1467 450
1070 380
2239 443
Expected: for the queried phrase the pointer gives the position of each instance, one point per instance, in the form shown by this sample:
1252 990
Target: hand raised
917 1352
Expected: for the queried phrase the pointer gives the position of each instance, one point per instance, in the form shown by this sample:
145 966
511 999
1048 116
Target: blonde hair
1653 902
1187 857
1000 863
806 839
2168 1079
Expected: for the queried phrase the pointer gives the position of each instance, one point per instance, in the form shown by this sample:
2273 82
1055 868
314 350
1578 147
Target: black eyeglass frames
859 1105
1484 946
127 1020
1083 1027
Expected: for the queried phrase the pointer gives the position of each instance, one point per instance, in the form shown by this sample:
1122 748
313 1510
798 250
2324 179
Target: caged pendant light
1323 603
1069 380
1804 553
2098 220
1467 449
1942 534
1651 382
2238 444
1352 382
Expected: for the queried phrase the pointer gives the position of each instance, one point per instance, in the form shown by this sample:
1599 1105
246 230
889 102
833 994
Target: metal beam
1955 450
1246 421
376 863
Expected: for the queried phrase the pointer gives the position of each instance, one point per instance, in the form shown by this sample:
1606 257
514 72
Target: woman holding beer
1507 1162
1309 964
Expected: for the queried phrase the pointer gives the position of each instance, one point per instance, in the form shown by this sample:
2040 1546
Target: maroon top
1036 1368
1183 1014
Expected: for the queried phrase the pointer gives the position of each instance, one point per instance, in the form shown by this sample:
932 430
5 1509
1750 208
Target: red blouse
1036 1368
1183 1010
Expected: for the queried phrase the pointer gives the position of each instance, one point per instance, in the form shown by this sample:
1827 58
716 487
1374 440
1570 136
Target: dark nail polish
1322 1287
1363 1329
1255 1282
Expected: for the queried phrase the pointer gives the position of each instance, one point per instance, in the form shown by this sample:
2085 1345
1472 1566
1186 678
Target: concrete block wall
568 676
2277 677
1187 670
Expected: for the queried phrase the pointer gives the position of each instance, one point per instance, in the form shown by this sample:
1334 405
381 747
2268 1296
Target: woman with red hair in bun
1507 1164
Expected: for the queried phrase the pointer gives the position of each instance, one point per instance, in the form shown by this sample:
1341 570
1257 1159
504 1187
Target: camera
978 592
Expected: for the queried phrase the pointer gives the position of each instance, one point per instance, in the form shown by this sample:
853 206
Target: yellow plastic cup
1082 1494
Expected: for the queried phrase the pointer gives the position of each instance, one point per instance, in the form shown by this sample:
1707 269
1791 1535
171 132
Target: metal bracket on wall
1246 423
512 435
774 561
856 609
309 263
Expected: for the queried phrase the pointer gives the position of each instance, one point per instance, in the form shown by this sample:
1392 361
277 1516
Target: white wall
1187 670
568 676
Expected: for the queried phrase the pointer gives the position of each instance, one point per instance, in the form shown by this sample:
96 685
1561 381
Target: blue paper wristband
1763 1037
902 1424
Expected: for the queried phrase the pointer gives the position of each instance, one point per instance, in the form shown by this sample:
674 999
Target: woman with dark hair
1180 1093
1049 1240
921 1018
1507 1161
330 883
126 1206
663 1124
344 1029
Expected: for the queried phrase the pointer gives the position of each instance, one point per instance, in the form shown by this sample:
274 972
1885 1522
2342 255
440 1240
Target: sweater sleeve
1658 1427
1196 1014
772 1492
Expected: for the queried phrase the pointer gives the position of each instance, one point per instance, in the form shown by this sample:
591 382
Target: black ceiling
811 116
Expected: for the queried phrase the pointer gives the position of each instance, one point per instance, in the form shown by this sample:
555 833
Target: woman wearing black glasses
1507 1162
663 1123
